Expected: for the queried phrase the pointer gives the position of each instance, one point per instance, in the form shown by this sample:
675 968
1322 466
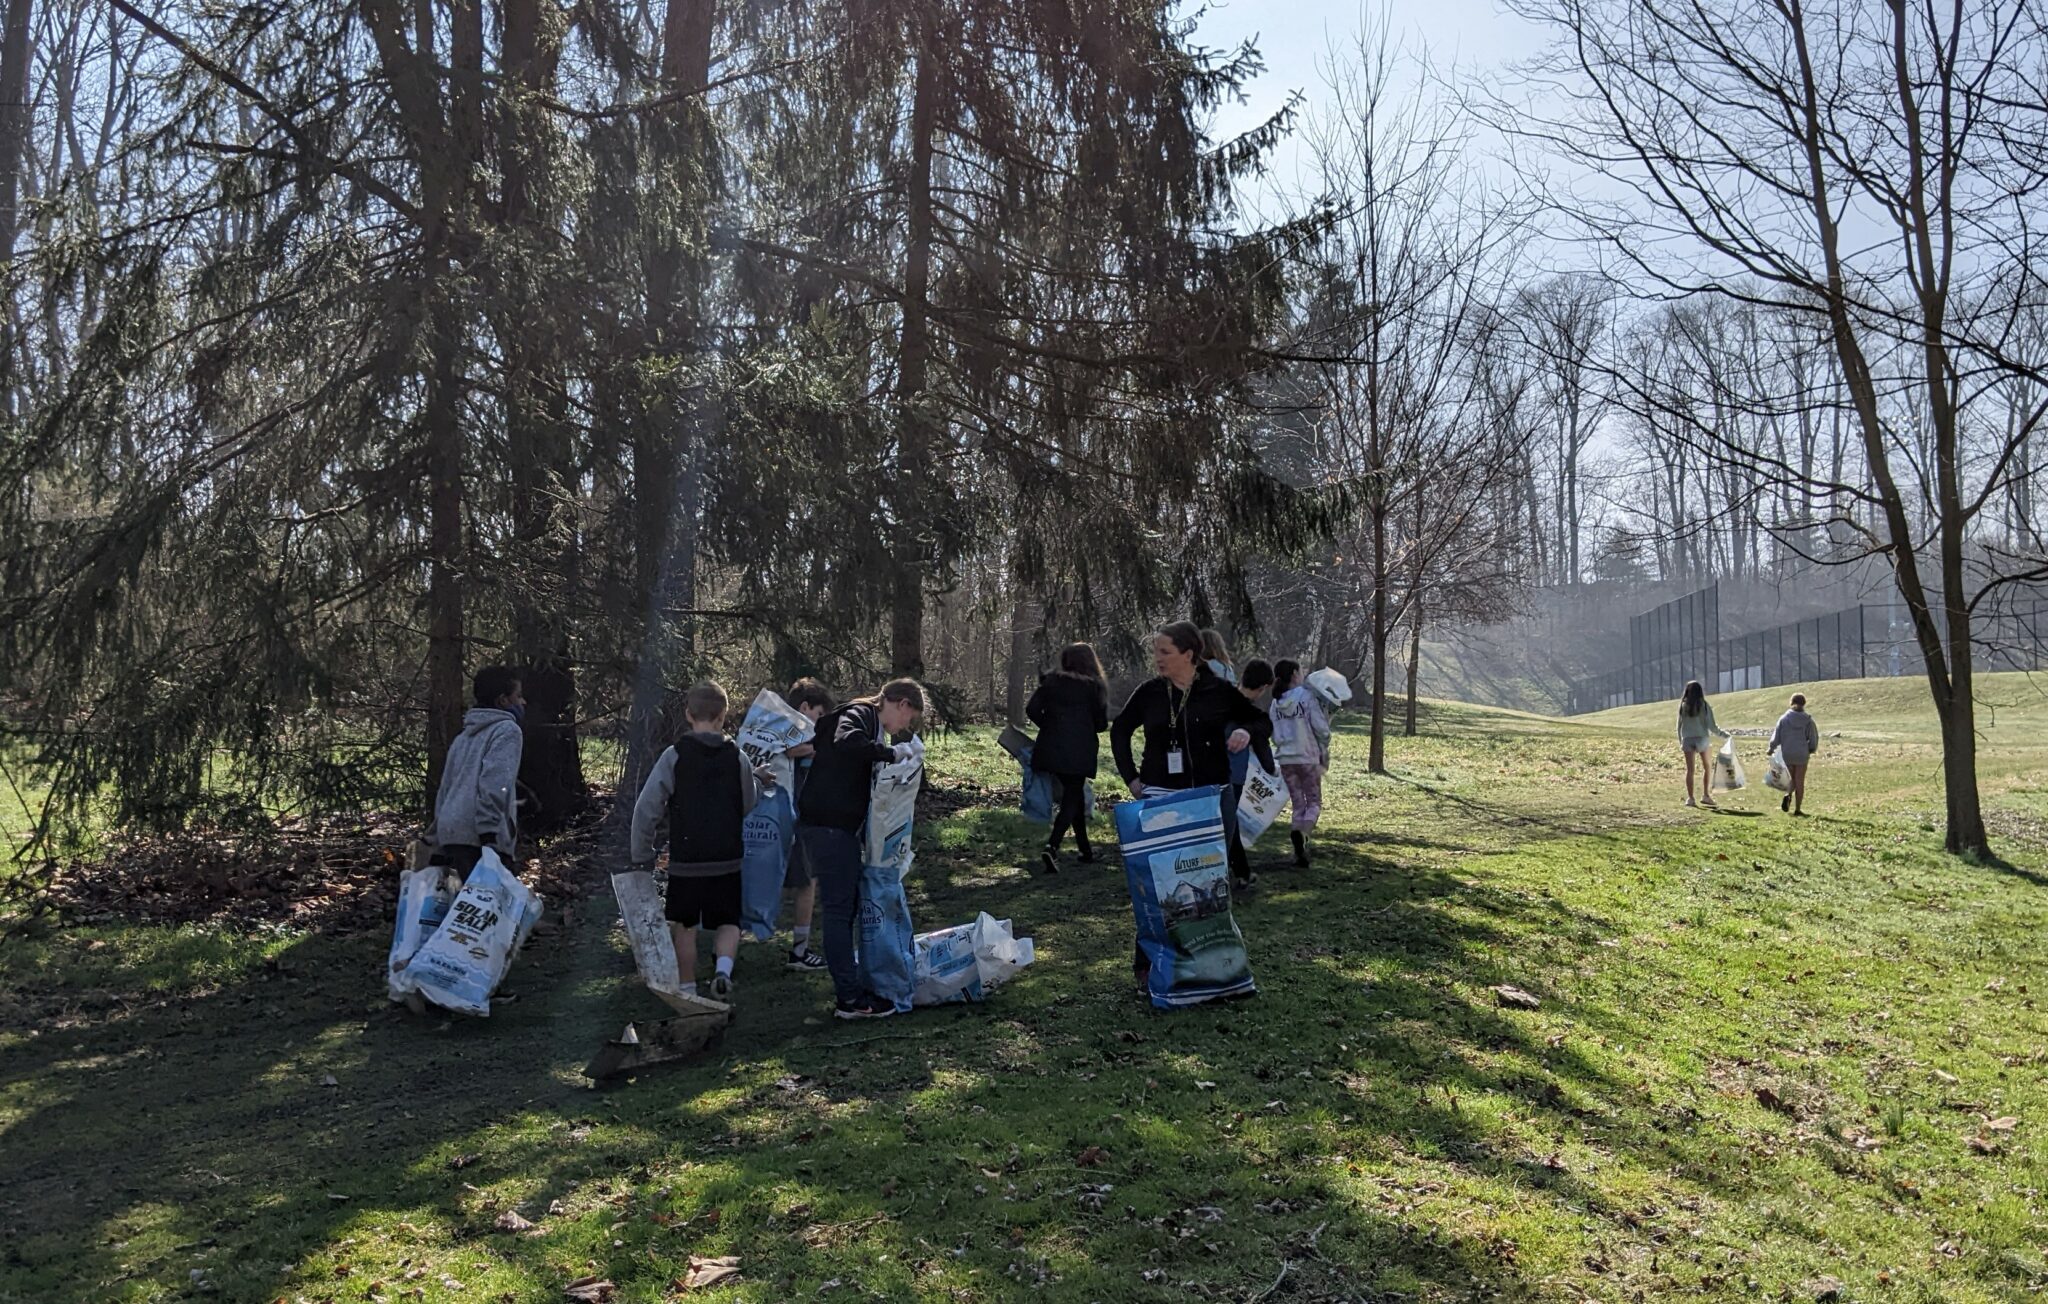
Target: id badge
1174 764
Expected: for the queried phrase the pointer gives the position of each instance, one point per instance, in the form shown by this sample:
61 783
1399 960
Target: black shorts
709 902
796 871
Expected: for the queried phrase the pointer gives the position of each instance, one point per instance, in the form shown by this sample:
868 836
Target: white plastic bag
892 804
654 951
423 900
1261 802
1728 768
1327 684
967 962
464 961
771 728
1779 776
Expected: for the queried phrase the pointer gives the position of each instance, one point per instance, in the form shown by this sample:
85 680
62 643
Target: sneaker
865 1007
805 959
1047 863
1087 856
1690 802
1785 802
721 987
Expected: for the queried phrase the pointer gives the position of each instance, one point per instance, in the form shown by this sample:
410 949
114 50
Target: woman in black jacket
1070 708
1193 721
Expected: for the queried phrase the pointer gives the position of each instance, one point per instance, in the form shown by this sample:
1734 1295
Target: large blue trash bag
1179 875
769 831
1042 790
888 944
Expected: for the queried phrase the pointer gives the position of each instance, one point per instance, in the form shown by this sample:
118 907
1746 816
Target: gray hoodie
478 801
1796 736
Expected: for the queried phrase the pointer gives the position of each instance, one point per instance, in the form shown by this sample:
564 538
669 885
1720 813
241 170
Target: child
1256 679
814 700
851 742
1796 738
477 805
1071 708
1216 655
1696 728
699 795
1301 742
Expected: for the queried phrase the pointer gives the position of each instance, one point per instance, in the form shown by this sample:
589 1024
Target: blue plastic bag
1178 870
1042 791
769 831
888 946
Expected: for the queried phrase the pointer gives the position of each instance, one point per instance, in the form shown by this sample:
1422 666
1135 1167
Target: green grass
1372 1125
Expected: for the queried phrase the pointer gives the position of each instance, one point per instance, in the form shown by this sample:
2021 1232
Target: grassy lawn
1772 1055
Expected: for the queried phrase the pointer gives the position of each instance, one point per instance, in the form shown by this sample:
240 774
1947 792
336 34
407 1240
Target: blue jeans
834 855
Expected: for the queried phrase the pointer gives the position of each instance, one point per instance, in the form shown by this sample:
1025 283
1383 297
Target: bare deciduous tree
1870 167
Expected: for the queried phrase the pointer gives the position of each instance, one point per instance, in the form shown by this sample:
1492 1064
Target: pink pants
1305 792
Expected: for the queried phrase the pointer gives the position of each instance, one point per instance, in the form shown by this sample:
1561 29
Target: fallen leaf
510 1221
460 1162
1983 1145
2006 1124
1513 997
1948 1079
1092 1157
706 1273
329 1080
1825 1288
1204 1086
589 1290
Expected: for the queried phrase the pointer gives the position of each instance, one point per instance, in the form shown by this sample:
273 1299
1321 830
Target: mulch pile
338 876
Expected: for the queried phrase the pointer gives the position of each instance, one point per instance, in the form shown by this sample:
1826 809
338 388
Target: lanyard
1176 716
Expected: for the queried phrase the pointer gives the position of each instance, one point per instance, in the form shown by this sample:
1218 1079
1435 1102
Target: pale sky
1475 36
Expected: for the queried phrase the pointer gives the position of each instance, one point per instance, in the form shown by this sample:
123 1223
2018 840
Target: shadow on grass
1240 1146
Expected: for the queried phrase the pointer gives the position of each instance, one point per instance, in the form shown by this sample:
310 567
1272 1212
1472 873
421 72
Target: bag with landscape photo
1176 865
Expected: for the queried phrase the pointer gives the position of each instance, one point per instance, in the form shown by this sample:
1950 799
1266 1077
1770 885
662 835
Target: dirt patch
337 875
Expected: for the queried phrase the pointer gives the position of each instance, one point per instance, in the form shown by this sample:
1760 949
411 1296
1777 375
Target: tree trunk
665 464
539 440
1376 755
1021 662
15 52
445 698
914 439
1414 658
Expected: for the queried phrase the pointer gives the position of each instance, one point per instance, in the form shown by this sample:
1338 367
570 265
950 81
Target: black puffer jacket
1069 710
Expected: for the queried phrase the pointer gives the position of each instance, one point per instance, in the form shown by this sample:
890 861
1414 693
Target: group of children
1071 710
1794 740
696 800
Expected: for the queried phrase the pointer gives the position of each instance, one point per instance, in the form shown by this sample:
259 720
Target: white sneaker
1690 802
721 987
